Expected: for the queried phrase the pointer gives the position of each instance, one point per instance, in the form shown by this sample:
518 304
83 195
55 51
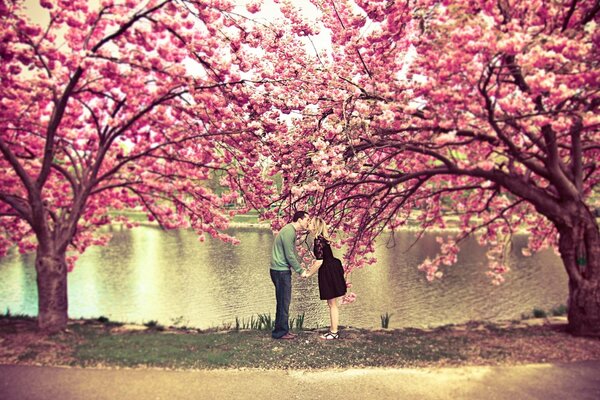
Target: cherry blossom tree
126 105
481 111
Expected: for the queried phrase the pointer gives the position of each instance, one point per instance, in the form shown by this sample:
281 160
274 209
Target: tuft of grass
8 315
226 326
559 311
266 323
253 323
299 322
153 324
385 320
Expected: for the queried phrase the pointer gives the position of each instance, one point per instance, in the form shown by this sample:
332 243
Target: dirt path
578 381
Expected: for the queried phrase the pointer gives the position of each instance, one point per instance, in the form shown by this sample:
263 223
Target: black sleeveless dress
331 274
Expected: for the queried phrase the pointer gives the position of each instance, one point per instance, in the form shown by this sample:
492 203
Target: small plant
260 322
299 322
539 313
253 323
559 310
103 320
385 320
179 322
266 322
153 324
245 323
226 326
9 315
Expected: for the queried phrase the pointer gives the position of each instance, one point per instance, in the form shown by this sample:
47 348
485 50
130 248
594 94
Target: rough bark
584 308
51 269
579 246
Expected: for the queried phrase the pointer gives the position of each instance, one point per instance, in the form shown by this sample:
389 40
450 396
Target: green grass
246 349
142 217
92 343
145 348
246 218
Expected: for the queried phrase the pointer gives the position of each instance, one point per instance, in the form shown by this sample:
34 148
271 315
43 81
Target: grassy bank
93 343
251 219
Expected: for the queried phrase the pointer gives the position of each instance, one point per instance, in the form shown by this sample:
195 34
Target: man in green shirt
283 259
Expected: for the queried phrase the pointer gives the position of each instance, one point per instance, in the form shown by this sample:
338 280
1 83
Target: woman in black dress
332 284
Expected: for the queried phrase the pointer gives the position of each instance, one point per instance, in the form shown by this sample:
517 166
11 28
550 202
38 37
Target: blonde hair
320 228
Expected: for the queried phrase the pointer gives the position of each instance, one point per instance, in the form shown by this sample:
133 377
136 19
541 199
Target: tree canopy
374 113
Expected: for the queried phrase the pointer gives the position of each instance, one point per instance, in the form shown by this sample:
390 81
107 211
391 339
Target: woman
332 284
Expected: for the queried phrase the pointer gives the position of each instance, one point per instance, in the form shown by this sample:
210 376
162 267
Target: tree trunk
579 246
584 309
51 271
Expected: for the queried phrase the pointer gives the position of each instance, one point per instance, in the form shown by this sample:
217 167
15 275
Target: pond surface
148 274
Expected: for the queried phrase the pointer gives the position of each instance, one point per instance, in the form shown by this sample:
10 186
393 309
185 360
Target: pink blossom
254 6
348 298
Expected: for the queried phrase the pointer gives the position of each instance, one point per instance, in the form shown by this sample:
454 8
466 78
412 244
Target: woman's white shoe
330 336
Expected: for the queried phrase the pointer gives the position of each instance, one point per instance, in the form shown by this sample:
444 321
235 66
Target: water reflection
148 274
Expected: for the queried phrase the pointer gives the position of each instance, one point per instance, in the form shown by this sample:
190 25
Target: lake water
148 274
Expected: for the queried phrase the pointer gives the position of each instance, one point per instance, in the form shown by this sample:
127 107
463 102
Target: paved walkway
577 381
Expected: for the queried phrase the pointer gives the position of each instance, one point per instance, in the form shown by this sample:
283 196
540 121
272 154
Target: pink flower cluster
348 298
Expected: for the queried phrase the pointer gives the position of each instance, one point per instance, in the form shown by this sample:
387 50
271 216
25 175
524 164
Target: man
283 259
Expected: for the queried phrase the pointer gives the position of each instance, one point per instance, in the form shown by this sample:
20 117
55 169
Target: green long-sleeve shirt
284 254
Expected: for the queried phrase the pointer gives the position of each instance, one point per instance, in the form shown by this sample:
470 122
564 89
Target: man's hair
299 215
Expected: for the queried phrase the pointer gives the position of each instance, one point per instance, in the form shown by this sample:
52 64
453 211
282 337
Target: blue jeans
283 293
